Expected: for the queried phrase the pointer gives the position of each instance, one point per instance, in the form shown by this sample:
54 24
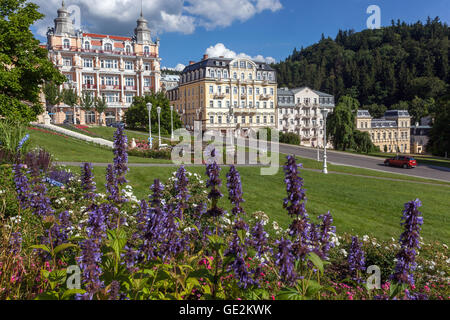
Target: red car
401 161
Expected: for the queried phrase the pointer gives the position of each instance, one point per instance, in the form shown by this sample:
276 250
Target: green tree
70 98
87 101
341 123
52 94
100 106
419 108
363 143
136 117
24 66
439 143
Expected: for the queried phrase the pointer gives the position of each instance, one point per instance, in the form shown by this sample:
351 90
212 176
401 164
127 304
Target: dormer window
66 44
108 47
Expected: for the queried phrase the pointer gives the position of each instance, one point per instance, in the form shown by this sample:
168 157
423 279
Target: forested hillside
401 66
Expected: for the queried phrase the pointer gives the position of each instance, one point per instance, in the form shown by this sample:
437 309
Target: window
211 89
129 98
66 44
88 80
219 119
271 91
147 82
227 90
271 104
87 63
67 62
242 64
213 74
87 45
258 119
219 104
235 90
108 47
211 104
112 97
128 49
250 76
147 66
89 117
234 75
271 119
250 119
110 81
129 65
242 76
225 74
129 82
211 119
109 64
257 91
265 105
146 50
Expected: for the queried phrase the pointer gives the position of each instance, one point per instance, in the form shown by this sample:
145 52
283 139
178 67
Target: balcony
130 88
244 110
264 97
90 86
285 116
219 95
110 87
147 88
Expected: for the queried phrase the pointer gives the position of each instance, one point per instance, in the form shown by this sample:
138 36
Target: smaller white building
169 81
299 111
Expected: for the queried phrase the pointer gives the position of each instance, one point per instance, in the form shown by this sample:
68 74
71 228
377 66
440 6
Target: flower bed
181 244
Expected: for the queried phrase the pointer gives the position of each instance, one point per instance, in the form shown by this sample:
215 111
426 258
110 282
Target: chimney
205 56
191 62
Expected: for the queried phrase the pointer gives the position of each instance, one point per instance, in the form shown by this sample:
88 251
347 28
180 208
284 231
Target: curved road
361 161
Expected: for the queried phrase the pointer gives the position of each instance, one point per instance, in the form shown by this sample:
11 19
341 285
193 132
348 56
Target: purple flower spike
87 181
412 221
356 260
235 190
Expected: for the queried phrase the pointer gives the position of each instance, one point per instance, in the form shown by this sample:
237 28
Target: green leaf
71 292
47 296
42 247
314 258
289 294
313 287
63 247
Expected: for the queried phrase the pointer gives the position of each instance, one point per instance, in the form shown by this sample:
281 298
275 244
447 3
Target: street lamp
171 123
324 114
149 108
159 125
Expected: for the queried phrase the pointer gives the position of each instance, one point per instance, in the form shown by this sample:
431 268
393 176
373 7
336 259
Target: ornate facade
390 133
299 111
226 94
117 68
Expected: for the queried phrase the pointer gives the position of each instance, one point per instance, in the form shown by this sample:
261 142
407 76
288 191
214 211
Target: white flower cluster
128 193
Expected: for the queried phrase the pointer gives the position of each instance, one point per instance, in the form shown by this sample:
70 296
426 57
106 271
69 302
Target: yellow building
390 133
226 94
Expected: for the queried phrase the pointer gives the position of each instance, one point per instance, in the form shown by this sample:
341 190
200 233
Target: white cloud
219 50
180 67
218 13
119 17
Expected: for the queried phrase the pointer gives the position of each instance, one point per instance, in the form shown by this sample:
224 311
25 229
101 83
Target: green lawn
359 205
70 149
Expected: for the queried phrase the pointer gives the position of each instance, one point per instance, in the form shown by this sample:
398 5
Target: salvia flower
412 221
326 232
40 202
87 181
15 242
235 190
111 184
181 190
22 186
356 259
296 199
22 141
214 183
89 262
120 155
260 240
96 228
285 260
114 289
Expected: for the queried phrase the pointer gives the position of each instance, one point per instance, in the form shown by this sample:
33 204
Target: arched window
128 49
87 45
108 47
146 50
66 44
213 74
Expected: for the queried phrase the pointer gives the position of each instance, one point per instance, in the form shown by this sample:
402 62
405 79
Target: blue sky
270 28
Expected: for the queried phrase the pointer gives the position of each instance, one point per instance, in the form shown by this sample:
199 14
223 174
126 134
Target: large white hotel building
117 68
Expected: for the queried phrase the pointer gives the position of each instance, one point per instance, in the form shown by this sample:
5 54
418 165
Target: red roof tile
94 35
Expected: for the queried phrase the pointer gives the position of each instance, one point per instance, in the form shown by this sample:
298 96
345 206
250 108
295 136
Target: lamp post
318 148
159 125
324 114
149 108
171 123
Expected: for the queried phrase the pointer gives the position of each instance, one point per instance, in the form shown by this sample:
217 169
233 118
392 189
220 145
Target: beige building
117 68
390 133
299 111
226 94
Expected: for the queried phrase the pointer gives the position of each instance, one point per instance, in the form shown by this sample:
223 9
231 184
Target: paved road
354 160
